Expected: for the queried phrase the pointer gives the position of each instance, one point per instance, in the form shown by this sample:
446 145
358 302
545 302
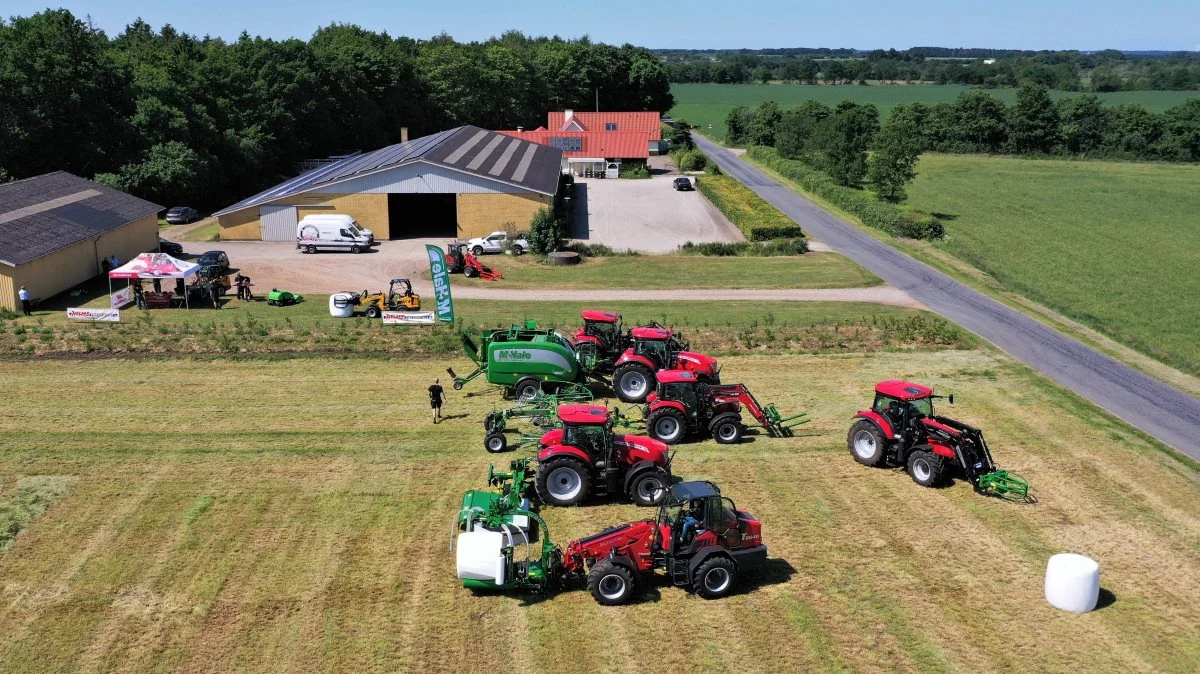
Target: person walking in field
23 293
435 400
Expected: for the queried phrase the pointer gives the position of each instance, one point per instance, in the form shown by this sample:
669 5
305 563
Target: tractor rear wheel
373 312
610 584
866 443
527 389
649 488
926 468
667 425
495 443
715 577
633 382
562 481
470 272
726 428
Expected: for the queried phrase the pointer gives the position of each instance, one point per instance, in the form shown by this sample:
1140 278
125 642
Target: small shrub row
691 160
758 220
780 232
891 219
634 170
746 248
597 250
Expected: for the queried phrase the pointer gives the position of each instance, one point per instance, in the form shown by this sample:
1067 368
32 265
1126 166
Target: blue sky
1017 24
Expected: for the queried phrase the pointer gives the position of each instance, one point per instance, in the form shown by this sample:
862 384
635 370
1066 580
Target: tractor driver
690 517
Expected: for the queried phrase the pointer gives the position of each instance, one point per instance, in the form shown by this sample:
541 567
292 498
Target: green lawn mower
283 298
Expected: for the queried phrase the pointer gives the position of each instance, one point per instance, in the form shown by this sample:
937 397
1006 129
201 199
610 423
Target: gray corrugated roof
466 148
43 214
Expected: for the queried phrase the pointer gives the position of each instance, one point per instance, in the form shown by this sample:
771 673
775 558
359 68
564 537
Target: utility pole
597 99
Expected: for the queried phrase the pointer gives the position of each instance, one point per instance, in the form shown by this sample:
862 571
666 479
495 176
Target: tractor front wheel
633 382
610 584
495 443
667 425
926 468
562 481
649 488
715 577
866 443
726 429
470 272
373 312
527 389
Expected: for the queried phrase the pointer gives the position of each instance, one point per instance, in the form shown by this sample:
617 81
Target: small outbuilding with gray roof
56 230
459 183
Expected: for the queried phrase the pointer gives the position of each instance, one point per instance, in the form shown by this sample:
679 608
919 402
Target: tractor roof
675 376
904 390
650 333
600 316
690 491
582 414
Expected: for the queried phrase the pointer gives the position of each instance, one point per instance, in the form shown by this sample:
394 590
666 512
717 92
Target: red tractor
603 329
901 429
700 539
683 405
585 457
459 261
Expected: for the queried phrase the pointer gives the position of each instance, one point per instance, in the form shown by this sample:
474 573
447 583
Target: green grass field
295 515
705 104
1111 244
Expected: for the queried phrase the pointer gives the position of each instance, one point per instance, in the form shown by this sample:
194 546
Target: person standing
435 400
138 297
23 293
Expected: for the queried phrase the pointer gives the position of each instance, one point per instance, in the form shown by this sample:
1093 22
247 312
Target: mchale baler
901 429
527 361
699 539
682 404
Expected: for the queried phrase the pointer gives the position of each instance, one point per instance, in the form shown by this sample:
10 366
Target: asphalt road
1148 404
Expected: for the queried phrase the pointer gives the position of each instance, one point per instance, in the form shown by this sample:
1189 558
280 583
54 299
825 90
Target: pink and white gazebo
154 266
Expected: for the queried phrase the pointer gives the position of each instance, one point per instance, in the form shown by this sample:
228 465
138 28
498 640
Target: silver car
495 243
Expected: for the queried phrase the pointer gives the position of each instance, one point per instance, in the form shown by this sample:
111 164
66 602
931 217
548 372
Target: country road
1148 404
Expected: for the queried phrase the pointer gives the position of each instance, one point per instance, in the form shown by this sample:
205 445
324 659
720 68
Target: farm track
1171 416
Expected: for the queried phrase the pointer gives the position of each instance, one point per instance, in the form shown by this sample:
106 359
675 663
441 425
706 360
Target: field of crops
705 104
294 515
1110 244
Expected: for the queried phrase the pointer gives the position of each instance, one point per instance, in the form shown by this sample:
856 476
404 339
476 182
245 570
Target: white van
332 232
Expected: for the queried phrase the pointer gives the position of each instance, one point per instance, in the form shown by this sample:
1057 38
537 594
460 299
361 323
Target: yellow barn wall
8 292
482 214
369 210
240 225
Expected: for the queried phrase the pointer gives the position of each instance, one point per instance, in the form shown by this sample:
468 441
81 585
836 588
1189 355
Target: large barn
56 229
460 183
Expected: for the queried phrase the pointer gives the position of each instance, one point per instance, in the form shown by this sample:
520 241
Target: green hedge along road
1168 414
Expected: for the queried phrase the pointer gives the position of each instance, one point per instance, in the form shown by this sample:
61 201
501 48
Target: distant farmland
705 104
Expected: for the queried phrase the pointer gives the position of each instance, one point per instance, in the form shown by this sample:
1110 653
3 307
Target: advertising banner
441 284
80 314
409 318
122 297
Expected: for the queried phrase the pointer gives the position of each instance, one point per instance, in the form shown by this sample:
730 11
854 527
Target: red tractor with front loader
585 457
683 405
461 261
901 429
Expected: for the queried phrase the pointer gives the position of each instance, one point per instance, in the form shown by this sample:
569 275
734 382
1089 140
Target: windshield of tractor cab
684 393
586 438
655 350
893 407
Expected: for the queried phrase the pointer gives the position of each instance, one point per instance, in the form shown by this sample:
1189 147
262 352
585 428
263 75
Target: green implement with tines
779 426
1004 484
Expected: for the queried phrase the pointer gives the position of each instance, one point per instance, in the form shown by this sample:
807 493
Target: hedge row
874 213
747 248
758 220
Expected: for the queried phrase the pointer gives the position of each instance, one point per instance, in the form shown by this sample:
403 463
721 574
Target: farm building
597 142
459 183
56 229
648 123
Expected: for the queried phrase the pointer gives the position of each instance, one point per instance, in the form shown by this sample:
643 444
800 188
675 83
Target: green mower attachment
1005 485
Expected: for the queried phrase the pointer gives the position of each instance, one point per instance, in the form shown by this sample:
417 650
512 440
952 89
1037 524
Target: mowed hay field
704 104
295 515
1111 244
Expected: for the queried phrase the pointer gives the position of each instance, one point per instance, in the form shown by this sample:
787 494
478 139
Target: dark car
169 247
213 263
181 215
682 184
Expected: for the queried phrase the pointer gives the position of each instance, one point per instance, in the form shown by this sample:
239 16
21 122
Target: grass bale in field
1072 582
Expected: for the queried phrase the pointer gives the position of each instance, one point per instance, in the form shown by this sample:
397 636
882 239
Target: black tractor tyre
866 443
495 443
649 488
311 250
554 486
926 468
726 428
714 578
373 312
630 372
470 272
671 421
527 389
355 249
610 584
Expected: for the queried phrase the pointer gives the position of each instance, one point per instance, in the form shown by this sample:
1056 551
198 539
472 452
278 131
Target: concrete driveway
646 215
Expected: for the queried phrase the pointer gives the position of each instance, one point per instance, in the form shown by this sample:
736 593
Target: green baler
526 359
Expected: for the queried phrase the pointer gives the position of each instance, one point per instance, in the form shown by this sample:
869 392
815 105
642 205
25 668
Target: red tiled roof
599 144
648 122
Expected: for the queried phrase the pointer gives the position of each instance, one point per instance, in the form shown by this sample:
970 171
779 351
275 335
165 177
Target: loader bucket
1006 485
779 426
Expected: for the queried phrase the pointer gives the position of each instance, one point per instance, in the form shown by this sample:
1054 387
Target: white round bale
340 305
1073 582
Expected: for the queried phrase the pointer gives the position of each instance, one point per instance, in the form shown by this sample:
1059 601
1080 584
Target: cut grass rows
297 518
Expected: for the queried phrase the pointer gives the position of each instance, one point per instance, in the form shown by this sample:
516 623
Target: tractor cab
401 295
695 516
903 403
602 328
675 386
587 427
655 344
456 258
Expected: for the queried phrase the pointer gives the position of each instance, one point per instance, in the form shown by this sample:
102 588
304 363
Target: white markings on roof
503 161
465 147
487 152
47 205
526 160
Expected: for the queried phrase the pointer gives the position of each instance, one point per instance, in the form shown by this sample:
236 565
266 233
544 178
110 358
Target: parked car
169 247
213 263
495 243
181 215
682 184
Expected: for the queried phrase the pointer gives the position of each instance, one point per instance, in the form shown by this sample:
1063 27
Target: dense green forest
1108 70
180 119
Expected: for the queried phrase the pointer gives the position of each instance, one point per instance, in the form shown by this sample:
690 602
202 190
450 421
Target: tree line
848 142
179 119
1104 71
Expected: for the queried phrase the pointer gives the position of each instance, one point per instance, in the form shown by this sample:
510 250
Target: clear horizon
1165 25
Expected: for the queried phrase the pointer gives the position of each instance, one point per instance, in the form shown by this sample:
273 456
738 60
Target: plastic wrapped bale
341 305
1072 582
479 555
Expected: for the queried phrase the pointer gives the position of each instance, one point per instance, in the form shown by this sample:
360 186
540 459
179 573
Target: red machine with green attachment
682 404
901 429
